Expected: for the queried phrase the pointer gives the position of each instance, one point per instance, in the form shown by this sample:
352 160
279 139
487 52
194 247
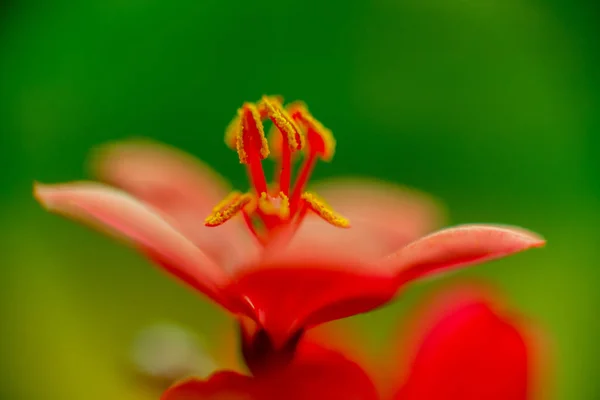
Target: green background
490 105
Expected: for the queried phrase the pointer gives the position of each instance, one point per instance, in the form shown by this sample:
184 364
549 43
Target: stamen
252 146
320 139
230 198
227 209
262 109
305 171
284 122
284 208
268 205
251 141
283 157
294 129
285 169
320 143
292 138
265 205
322 210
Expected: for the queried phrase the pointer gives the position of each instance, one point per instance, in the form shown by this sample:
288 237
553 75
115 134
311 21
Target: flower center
266 209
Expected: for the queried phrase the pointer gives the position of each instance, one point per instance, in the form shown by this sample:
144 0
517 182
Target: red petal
345 337
109 209
221 386
317 374
284 298
456 247
287 293
469 353
182 188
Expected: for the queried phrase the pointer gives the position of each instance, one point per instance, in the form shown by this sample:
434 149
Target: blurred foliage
490 105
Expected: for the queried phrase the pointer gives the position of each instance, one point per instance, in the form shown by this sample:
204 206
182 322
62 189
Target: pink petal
467 351
457 247
321 240
384 217
180 186
112 210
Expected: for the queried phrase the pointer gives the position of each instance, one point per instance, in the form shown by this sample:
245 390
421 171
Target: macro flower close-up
276 292
375 200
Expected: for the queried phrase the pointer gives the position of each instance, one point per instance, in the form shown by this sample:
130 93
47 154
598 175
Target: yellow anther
320 139
265 205
262 108
230 198
251 140
283 121
284 208
279 206
228 208
320 208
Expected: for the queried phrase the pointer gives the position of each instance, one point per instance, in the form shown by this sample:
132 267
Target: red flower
293 271
470 353
465 351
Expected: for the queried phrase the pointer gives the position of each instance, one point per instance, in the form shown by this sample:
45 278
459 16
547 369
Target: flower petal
469 352
327 241
114 211
180 186
317 374
284 294
225 385
383 217
345 337
283 298
456 247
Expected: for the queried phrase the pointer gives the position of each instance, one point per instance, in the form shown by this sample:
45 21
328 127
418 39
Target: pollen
279 206
320 208
283 121
284 208
231 197
250 141
320 139
262 108
228 208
